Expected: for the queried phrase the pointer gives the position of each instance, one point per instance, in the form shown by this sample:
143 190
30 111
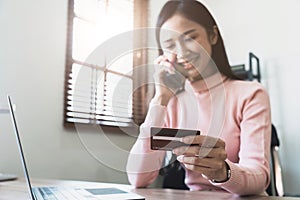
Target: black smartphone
169 138
176 81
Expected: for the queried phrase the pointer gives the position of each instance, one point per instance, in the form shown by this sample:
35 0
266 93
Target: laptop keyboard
47 193
57 193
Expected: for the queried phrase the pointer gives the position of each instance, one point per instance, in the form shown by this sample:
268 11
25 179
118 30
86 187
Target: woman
232 152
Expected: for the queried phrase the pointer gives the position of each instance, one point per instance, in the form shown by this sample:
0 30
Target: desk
13 190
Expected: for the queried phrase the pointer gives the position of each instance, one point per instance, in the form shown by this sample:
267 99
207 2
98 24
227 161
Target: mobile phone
169 138
176 81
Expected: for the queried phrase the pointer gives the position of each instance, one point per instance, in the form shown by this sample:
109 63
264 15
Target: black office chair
173 176
276 184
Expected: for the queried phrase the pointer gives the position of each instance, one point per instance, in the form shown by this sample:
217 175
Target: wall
32 62
32 54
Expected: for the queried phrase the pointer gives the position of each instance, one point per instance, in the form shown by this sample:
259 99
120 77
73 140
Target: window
99 86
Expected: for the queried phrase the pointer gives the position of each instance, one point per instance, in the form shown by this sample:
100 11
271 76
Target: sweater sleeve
143 164
251 175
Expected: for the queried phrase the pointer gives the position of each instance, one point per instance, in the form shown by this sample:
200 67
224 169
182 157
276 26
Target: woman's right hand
168 82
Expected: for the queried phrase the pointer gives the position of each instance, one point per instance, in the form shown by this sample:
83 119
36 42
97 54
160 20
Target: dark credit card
169 138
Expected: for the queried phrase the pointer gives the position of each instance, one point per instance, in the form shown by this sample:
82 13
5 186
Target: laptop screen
14 121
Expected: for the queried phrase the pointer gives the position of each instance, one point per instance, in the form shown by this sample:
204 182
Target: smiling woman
91 82
232 152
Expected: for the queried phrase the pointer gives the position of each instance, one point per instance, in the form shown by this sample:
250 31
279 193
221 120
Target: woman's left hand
205 155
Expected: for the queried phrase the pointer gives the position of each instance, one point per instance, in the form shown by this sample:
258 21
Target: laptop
66 193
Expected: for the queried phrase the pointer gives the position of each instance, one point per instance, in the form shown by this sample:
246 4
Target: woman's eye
189 39
171 46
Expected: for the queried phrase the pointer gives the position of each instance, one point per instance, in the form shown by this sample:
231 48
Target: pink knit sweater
238 112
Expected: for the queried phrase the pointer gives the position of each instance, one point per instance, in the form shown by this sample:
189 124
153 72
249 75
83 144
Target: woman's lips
187 64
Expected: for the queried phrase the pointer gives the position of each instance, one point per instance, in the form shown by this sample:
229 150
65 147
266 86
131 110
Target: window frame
139 107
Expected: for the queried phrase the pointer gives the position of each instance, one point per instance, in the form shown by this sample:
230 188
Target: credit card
169 138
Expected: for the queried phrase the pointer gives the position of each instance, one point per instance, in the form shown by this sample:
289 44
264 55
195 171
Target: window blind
97 92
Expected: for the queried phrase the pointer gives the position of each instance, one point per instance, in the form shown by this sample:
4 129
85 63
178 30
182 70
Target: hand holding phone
176 80
170 78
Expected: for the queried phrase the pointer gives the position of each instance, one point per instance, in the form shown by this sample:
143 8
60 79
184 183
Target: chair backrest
173 174
248 74
276 185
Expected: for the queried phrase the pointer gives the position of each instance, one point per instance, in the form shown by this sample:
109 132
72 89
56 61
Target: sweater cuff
234 180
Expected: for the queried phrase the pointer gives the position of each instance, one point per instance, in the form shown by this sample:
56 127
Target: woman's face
187 42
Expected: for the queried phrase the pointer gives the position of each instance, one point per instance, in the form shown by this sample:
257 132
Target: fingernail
174 151
180 158
184 139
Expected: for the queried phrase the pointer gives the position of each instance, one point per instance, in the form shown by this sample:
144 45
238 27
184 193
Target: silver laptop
61 193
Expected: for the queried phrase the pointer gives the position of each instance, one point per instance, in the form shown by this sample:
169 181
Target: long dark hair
197 12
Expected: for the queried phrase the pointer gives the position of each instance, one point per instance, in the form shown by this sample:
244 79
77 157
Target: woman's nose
181 51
